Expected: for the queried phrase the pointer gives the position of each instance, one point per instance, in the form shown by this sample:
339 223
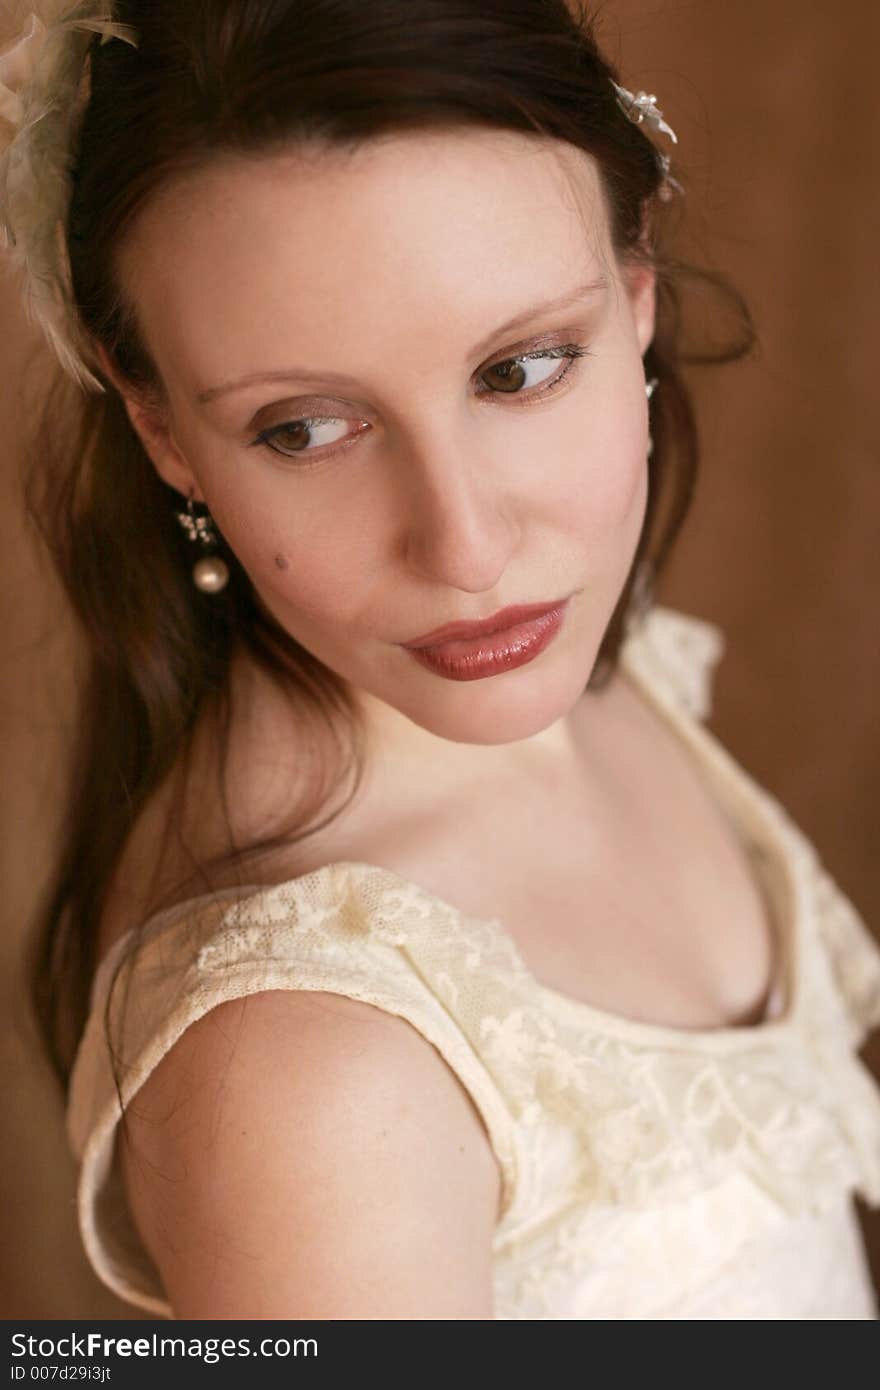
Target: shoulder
273 1063
239 781
306 1155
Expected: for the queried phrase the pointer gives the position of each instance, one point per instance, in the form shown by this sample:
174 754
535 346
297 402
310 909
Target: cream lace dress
647 1171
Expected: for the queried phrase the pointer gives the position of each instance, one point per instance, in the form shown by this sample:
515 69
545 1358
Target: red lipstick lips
499 622
469 651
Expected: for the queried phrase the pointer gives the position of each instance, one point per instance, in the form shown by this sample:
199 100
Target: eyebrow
550 306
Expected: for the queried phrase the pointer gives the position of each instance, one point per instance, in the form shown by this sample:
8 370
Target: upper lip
499 622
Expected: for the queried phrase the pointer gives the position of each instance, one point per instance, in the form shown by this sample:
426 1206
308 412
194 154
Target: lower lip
477 657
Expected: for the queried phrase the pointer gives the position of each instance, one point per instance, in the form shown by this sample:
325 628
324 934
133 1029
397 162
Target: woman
390 343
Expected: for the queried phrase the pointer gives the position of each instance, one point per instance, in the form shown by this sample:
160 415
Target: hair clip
643 107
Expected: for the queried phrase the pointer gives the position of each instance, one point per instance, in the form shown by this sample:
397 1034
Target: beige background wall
775 105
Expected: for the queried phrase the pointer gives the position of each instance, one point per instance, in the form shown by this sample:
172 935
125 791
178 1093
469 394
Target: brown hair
219 77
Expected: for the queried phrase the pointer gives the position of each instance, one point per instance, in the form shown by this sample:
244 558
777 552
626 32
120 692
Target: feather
42 96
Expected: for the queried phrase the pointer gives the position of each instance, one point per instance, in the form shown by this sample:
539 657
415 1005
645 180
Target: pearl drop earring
211 572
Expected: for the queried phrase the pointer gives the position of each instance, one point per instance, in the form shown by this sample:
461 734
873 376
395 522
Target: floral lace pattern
646 1171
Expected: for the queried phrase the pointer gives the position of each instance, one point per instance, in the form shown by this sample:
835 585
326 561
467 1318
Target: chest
656 914
631 889
619 876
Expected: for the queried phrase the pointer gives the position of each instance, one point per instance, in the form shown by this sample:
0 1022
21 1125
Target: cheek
286 544
308 579
311 580
607 485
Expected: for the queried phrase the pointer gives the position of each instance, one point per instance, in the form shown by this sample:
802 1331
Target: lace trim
645 1120
682 652
600 1112
678 653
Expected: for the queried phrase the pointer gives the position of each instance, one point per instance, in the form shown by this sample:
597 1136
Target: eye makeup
306 424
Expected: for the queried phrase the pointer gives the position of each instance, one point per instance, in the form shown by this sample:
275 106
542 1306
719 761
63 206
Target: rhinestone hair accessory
43 91
643 107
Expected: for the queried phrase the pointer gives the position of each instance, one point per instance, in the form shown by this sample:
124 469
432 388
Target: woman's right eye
306 435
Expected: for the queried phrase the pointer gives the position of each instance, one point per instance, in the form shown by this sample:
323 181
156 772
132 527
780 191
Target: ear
149 420
641 285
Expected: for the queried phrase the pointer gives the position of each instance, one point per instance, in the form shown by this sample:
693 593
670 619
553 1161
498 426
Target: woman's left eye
512 373
513 376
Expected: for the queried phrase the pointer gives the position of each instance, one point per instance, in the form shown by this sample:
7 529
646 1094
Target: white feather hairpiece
42 97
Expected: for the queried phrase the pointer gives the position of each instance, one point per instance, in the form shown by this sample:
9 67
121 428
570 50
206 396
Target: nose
460 524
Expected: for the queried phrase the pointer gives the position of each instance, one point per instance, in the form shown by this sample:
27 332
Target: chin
506 708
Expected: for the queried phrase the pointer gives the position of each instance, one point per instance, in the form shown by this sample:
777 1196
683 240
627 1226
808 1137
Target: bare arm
304 1155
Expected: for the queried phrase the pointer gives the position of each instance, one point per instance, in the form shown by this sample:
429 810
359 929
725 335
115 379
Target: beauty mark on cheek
282 562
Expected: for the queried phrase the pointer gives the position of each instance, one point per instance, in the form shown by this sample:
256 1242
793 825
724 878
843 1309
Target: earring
211 572
650 387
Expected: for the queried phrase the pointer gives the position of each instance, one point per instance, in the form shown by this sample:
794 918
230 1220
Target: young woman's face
349 393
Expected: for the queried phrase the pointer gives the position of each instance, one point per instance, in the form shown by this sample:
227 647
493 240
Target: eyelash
568 351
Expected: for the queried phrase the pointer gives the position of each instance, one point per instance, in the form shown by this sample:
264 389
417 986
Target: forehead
435 231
